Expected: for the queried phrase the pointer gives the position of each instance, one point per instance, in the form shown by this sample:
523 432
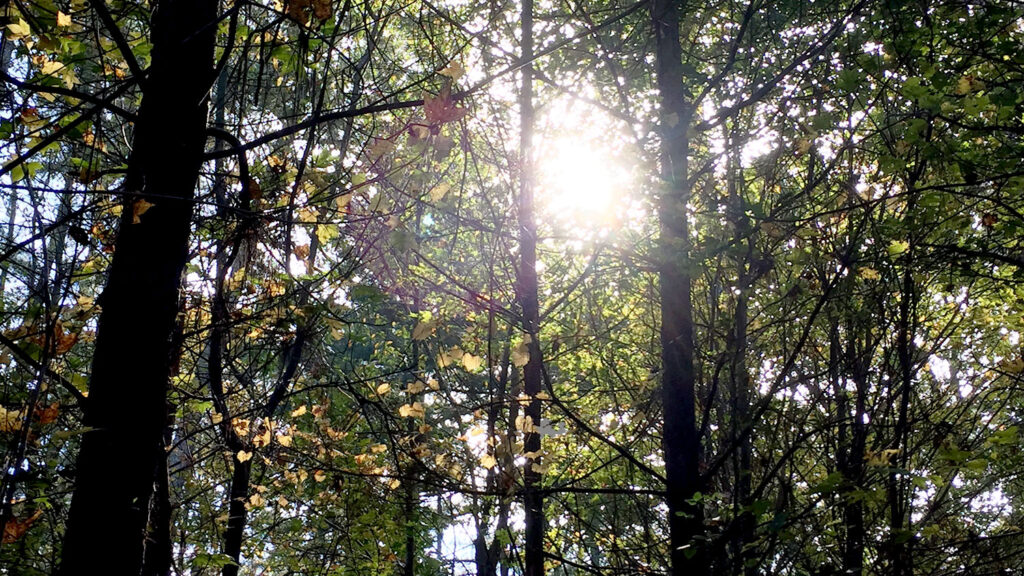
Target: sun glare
582 186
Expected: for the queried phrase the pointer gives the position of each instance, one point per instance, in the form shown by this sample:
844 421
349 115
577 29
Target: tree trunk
127 405
533 500
680 437
739 379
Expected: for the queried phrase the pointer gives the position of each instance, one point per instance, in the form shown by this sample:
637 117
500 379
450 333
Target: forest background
479 287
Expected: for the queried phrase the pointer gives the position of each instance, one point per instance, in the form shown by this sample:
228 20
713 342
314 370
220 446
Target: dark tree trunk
852 434
739 379
127 405
680 438
533 500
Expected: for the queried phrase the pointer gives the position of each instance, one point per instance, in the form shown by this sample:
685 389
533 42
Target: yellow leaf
424 329
416 387
471 363
394 484
438 192
433 384
241 426
453 71
243 456
140 207
414 410
539 468
525 424
447 358
63 20
10 420
284 440
282 501
256 500
19 30
49 67
262 437
319 475
342 202
216 417
521 355
383 389
868 274
488 461
378 448
298 411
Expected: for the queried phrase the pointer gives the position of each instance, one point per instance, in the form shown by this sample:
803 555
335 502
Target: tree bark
680 435
533 500
127 404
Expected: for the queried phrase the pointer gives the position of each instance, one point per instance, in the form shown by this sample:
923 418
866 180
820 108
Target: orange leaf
16 527
48 414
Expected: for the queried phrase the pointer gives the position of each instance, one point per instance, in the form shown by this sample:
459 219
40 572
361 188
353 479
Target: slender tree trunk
680 437
533 371
898 487
739 379
127 405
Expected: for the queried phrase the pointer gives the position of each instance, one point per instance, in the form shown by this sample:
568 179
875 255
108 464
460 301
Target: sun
582 186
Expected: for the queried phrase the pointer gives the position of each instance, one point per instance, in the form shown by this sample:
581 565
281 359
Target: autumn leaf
47 414
50 67
322 9
262 437
441 110
63 20
471 363
243 456
19 29
438 192
394 484
380 148
520 355
297 10
10 420
868 274
453 71
241 426
488 461
342 202
298 411
424 329
414 410
319 475
383 389
140 207
15 528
